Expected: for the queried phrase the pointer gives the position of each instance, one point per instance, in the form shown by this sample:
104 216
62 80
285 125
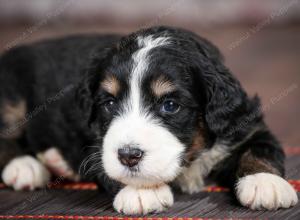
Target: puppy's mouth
132 171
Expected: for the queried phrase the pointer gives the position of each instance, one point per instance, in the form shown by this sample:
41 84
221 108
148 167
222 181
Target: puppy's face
147 108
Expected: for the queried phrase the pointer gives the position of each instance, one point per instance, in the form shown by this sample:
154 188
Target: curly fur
219 130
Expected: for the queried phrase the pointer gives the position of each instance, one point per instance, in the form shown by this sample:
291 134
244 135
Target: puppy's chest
192 178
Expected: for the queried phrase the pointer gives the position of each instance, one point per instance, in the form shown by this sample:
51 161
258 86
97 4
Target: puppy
135 114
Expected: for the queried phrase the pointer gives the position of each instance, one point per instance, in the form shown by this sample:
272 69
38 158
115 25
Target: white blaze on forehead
140 66
162 149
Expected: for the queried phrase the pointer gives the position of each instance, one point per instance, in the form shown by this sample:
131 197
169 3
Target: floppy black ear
89 84
208 49
84 96
229 114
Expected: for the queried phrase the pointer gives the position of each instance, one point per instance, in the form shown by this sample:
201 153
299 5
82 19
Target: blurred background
260 39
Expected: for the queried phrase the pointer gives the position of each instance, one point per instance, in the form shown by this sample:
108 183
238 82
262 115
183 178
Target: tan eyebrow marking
111 85
161 86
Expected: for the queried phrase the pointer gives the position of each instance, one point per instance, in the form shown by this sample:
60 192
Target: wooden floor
266 62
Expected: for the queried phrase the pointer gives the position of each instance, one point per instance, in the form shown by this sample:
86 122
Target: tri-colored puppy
135 114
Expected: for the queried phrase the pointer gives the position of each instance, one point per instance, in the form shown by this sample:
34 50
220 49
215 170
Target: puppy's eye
109 105
170 107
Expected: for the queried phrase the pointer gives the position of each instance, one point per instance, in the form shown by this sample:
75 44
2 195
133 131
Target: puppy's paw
265 191
190 184
142 201
190 180
25 173
55 162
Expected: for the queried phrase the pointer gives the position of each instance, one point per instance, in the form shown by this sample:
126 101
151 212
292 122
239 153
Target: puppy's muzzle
130 156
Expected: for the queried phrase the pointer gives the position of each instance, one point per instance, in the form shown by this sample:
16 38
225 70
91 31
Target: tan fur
12 114
111 85
249 164
197 146
162 86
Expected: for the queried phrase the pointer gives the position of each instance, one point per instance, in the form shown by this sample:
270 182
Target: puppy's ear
84 96
229 114
89 84
208 49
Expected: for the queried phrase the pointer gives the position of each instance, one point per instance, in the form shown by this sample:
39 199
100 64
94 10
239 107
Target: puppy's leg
12 116
25 172
54 161
260 184
131 200
191 179
19 170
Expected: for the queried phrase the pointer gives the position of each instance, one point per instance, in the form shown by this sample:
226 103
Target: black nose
129 156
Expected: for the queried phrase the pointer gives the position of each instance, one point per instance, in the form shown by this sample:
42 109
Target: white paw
191 180
142 201
25 173
190 184
265 191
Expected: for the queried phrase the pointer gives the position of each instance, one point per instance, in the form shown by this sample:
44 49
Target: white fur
141 61
55 162
265 191
160 162
191 178
25 172
131 200
209 158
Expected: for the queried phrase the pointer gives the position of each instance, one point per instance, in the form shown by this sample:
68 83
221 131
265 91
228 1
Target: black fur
62 78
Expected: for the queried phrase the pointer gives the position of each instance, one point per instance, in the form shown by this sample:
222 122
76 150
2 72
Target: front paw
131 200
191 179
265 191
190 183
25 172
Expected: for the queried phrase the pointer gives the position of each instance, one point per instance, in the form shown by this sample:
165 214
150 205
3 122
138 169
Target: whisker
88 159
94 167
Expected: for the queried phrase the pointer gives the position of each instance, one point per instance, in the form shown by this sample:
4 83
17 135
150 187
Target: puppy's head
153 99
